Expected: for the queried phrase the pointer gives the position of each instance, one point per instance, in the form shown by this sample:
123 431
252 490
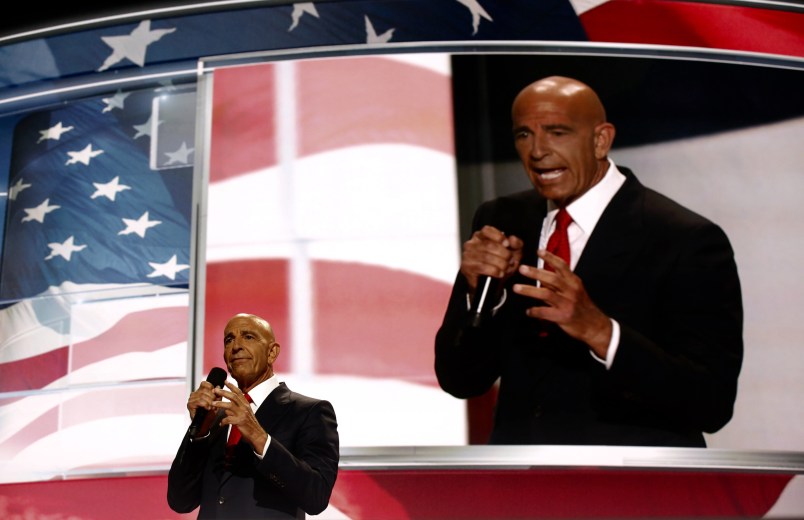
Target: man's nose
538 146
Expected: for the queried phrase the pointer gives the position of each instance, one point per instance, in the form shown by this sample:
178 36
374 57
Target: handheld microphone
217 376
483 300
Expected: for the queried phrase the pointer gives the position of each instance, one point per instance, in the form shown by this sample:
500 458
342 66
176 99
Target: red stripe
375 321
698 25
34 372
560 493
243 132
141 331
132 498
254 286
371 321
340 103
555 493
361 101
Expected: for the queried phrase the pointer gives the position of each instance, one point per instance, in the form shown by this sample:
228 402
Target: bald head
262 323
562 137
580 100
249 349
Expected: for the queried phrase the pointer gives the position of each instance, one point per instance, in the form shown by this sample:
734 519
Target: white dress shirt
585 212
258 394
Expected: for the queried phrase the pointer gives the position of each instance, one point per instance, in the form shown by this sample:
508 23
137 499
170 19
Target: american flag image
94 279
347 235
327 203
101 205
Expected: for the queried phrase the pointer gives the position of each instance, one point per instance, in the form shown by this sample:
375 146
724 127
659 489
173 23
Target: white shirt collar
587 209
261 391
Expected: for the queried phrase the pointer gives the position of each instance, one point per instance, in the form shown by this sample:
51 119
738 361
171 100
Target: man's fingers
489 252
515 243
490 233
556 262
545 278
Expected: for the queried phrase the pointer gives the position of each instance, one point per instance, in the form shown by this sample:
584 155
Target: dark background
648 100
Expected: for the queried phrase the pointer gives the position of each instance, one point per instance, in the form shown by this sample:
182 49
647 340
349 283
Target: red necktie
558 244
234 435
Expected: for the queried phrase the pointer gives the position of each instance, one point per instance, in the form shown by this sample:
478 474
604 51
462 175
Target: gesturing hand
566 303
238 413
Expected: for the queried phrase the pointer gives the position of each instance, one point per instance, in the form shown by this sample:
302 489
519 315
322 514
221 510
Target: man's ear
604 138
273 352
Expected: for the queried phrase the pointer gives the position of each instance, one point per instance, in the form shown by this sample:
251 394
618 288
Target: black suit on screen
666 274
296 475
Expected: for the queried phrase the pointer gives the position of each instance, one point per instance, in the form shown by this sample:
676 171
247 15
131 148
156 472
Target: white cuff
613 344
497 307
265 449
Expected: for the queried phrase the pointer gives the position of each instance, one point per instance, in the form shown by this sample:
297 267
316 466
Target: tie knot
558 243
248 398
563 219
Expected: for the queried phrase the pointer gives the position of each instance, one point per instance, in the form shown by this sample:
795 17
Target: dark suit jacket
296 475
666 274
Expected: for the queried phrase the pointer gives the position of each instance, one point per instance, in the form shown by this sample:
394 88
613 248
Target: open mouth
549 174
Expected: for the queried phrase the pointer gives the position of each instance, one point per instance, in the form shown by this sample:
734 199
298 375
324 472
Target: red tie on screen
558 244
234 435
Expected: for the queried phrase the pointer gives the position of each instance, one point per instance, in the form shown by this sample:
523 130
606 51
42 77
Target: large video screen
336 197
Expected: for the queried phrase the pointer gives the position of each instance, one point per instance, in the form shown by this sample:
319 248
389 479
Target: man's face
558 144
249 350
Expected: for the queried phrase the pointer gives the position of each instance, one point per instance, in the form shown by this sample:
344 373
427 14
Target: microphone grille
217 376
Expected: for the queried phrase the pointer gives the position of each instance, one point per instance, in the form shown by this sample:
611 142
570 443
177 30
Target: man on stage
263 451
611 314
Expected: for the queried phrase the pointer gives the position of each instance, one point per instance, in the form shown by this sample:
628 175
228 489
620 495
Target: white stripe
55 318
390 205
168 362
302 356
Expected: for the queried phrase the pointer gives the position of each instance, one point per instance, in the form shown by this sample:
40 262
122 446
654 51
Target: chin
552 194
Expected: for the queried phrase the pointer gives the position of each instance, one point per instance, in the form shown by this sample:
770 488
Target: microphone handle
217 376
483 301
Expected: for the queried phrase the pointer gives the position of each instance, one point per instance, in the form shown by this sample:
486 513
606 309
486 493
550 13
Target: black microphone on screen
216 377
484 299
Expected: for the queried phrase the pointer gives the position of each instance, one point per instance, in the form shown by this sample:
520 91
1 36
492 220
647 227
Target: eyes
229 339
556 132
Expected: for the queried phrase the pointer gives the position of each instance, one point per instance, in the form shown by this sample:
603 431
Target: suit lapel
274 407
618 234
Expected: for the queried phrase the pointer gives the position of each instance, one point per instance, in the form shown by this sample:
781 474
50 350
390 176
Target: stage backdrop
332 212
83 317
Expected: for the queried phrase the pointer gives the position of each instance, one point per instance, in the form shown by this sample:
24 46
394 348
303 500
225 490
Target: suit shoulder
670 219
664 217
307 402
661 208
